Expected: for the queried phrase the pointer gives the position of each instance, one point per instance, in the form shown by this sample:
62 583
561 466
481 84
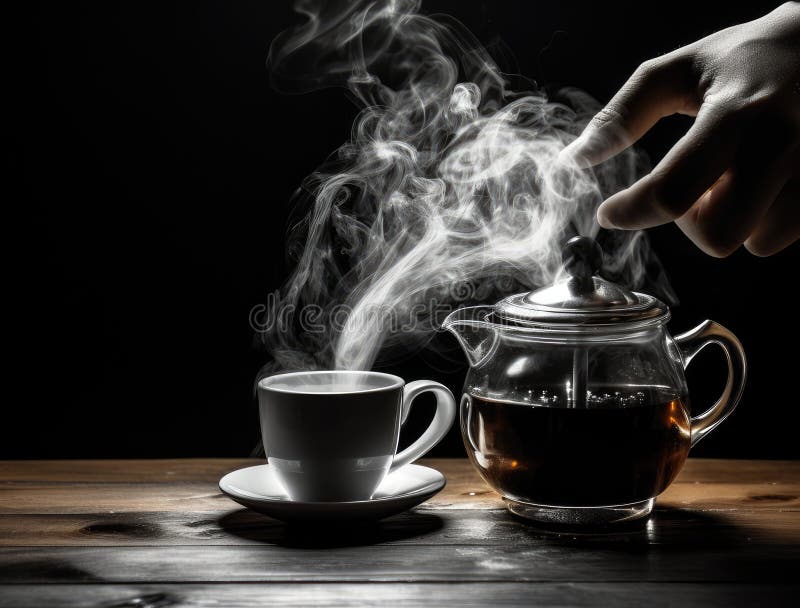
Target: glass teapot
575 406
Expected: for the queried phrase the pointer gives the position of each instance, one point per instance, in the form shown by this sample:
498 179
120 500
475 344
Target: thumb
657 88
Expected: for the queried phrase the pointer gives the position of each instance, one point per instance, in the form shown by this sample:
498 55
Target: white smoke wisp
450 189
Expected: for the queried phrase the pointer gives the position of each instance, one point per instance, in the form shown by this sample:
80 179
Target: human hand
735 176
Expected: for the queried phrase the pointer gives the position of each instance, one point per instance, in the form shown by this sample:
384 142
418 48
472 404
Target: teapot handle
691 343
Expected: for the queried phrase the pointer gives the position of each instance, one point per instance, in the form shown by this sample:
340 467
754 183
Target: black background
154 165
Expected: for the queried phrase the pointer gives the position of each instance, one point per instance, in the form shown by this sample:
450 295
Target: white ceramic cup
332 435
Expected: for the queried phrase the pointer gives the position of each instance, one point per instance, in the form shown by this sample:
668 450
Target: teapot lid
582 298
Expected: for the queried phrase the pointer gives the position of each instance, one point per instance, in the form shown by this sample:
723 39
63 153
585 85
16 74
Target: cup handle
691 343
441 423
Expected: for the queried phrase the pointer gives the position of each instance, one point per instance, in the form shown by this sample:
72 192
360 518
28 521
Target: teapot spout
476 336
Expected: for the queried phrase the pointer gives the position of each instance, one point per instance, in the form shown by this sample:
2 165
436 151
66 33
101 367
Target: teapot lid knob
582 257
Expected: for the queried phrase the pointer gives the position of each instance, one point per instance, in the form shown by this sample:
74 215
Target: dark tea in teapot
622 447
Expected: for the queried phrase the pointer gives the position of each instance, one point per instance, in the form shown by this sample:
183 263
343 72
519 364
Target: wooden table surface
158 533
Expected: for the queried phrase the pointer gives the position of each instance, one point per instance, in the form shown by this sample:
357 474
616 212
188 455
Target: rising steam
450 190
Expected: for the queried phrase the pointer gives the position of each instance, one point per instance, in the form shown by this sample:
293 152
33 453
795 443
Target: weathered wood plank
94 497
48 487
171 471
706 470
468 595
681 527
32 497
546 562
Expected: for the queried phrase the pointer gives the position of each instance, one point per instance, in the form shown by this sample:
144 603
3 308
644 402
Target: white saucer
257 488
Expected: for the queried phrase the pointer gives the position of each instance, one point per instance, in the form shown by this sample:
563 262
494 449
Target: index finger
657 88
